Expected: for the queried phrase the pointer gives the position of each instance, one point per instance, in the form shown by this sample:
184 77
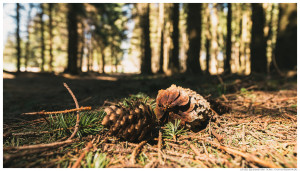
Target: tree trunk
161 28
227 67
258 41
72 39
50 37
146 46
174 51
207 47
286 43
103 60
18 38
82 46
42 38
28 37
194 22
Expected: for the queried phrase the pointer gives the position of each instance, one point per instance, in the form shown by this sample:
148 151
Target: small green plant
97 160
141 97
63 124
172 131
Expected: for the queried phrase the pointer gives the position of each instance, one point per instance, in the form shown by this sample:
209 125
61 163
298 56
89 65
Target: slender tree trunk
42 38
207 47
286 43
258 41
82 46
208 39
72 39
194 22
50 37
174 51
103 60
146 46
18 38
227 67
161 28
28 37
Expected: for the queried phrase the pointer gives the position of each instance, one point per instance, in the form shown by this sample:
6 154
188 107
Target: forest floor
259 131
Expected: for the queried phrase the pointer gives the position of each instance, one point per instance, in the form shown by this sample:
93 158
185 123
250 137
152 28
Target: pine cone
132 123
181 103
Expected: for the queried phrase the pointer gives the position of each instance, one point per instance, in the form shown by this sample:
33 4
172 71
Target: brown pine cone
182 103
133 123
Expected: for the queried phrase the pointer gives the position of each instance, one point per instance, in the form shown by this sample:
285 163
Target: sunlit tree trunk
144 10
103 60
214 40
42 38
27 46
227 67
208 39
50 37
18 38
174 51
286 43
194 29
161 28
72 39
258 41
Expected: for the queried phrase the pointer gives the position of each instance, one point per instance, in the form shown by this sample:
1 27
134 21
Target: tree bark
286 43
227 67
146 46
18 38
258 41
194 22
174 51
72 39
42 38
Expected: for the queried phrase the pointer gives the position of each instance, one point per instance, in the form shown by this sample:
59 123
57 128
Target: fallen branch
159 147
59 112
87 148
135 152
247 156
196 151
37 146
77 107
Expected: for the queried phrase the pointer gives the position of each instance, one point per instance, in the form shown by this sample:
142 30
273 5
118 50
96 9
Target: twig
59 112
135 152
247 156
87 148
196 151
77 107
218 136
37 146
159 147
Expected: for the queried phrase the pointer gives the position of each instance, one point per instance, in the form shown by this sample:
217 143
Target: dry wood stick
77 107
247 156
37 146
135 152
218 136
87 148
59 112
159 147
196 151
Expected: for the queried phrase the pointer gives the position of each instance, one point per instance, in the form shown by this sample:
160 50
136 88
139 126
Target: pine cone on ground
133 123
182 103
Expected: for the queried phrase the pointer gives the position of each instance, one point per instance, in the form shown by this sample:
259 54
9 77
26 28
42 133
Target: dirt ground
262 126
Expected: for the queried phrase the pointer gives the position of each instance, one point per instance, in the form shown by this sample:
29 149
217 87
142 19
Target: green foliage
89 124
96 160
139 97
173 130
